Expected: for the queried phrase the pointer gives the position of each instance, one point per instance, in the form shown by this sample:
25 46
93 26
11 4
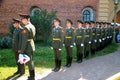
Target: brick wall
71 9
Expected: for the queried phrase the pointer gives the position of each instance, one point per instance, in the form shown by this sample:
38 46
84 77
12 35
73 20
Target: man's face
68 24
92 24
24 21
16 25
87 25
56 23
79 25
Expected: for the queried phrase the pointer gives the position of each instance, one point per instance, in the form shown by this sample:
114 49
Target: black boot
80 58
56 64
69 62
18 69
22 69
67 59
86 54
32 75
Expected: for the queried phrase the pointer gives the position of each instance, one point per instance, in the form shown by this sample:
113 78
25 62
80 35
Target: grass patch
43 58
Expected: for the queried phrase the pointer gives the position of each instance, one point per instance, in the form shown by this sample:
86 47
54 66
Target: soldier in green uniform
16 45
110 32
102 35
27 43
79 40
94 38
58 39
107 30
69 41
98 33
87 41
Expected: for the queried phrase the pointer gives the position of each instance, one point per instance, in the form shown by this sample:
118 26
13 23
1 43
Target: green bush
42 20
11 28
6 42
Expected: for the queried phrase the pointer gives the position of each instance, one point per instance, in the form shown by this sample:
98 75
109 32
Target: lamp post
116 2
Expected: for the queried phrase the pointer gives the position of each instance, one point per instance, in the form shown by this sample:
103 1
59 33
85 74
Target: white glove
51 47
103 39
23 58
100 40
63 44
95 40
89 42
74 43
82 44
71 45
60 49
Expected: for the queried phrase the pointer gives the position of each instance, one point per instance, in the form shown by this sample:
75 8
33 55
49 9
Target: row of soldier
88 38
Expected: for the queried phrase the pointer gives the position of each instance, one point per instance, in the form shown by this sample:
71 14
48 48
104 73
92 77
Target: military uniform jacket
79 36
87 35
69 36
27 42
98 34
94 33
58 37
16 41
103 33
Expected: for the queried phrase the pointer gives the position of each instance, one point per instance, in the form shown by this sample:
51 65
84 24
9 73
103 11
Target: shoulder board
24 31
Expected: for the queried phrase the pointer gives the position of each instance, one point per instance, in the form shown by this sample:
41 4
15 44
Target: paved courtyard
99 68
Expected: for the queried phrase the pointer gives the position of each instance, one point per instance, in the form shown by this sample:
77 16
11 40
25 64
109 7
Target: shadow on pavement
14 77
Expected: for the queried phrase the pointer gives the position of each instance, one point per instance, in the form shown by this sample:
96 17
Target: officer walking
27 43
58 38
69 41
79 40
16 46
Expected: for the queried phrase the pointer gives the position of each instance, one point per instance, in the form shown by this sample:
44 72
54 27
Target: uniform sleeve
91 33
73 35
62 35
24 37
20 37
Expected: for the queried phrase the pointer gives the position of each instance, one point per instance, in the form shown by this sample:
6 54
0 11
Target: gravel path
99 68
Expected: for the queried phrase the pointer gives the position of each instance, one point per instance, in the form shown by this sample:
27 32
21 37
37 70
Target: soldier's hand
82 45
51 47
63 44
89 42
74 44
19 51
60 49
95 40
71 45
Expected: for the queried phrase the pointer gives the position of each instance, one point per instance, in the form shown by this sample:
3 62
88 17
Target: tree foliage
42 20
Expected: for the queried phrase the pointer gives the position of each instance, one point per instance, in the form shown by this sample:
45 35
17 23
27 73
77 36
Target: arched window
35 11
87 14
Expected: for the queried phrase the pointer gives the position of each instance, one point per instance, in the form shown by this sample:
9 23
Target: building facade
86 10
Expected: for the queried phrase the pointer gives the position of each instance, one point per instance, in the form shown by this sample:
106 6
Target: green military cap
108 23
70 21
87 22
92 21
24 16
97 22
101 22
56 19
16 20
79 21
